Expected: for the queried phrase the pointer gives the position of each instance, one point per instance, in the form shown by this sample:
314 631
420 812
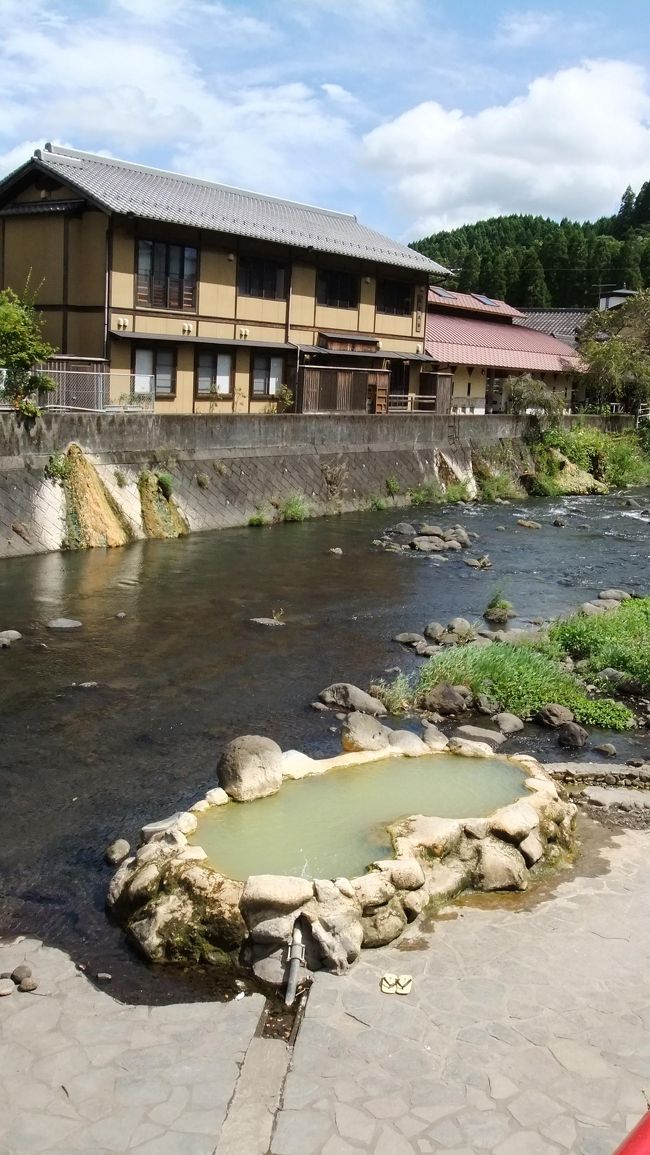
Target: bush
619 639
456 491
377 504
120 479
258 519
294 509
501 486
392 486
58 467
427 494
521 679
397 695
617 460
202 480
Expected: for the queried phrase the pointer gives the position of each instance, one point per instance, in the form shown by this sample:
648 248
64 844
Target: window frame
244 265
336 300
395 284
268 357
214 354
151 275
157 347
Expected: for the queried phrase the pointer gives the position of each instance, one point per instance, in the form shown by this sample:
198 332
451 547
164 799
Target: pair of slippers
396 984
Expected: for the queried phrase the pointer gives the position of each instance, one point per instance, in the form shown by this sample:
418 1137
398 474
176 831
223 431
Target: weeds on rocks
618 639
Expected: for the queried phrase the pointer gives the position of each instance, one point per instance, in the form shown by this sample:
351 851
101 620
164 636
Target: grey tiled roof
121 187
560 323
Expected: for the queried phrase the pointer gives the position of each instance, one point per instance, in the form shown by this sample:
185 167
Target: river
186 670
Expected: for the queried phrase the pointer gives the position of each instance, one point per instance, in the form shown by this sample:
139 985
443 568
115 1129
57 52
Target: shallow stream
186 670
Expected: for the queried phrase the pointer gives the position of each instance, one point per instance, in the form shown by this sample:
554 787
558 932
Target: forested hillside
529 260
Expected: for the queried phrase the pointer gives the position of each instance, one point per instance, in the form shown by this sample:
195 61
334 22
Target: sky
416 115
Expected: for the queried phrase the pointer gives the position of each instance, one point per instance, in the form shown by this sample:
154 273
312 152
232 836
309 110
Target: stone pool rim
177 906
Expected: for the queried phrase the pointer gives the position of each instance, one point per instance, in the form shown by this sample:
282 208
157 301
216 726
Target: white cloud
566 148
519 29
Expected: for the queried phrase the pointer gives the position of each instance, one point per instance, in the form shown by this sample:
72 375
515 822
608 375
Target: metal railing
93 391
411 403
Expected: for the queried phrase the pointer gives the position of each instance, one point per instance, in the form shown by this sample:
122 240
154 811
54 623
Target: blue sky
416 115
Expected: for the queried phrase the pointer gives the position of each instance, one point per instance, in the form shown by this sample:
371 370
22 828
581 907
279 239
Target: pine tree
555 260
493 277
575 289
470 272
625 215
533 290
628 269
641 215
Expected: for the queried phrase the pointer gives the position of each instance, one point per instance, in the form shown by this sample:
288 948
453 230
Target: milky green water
335 824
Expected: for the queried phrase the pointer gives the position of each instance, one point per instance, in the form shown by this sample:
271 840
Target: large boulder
275 892
433 738
426 837
384 925
348 697
515 822
508 723
428 544
404 873
447 699
404 529
554 715
572 736
194 916
409 638
335 923
479 734
467 748
500 866
363 732
614 595
434 631
373 890
250 767
408 743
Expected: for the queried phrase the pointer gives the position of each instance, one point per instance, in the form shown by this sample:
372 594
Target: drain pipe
296 960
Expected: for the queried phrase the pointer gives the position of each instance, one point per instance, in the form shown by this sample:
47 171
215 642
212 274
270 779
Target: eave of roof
153 194
455 340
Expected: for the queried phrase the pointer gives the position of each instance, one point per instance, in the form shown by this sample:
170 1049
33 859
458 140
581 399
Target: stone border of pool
176 907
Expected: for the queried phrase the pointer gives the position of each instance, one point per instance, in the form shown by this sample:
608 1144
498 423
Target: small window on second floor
260 278
337 290
394 297
166 276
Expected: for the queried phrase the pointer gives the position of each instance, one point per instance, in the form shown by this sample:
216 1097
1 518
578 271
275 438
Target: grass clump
397 695
258 518
456 491
498 609
202 480
427 494
294 509
619 639
392 486
165 483
501 486
522 680
615 459
377 504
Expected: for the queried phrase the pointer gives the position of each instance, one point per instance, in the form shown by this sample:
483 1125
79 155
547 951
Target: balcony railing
411 403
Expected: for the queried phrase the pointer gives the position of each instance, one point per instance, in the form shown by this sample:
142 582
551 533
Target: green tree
493 277
625 215
470 272
533 290
615 346
554 257
22 347
576 290
628 268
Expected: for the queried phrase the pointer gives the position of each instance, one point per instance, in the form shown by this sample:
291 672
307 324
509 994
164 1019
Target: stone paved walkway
527 1032
82 1073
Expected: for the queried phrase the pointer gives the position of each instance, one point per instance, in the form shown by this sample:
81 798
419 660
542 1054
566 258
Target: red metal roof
457 340
450 299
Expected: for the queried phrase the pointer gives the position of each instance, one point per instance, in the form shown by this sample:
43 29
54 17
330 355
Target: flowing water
186 670
335 824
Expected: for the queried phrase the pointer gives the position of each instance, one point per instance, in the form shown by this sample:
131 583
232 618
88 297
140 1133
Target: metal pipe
296 960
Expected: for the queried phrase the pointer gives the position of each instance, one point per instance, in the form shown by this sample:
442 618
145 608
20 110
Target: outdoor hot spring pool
335 823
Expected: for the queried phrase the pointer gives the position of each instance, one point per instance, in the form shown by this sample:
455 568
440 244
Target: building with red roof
480 342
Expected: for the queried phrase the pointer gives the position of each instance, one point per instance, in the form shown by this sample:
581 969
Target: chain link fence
93 391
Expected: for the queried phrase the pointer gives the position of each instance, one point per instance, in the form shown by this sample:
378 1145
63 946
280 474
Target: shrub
456 491
501 486
392 486
58 467
294 509
522 679
202 480
258 519
377 504
397 695
165 483
498 608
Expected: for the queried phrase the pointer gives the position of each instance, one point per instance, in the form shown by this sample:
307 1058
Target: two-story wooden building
205 298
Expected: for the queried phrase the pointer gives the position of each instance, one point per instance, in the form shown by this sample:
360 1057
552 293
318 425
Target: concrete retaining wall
225 468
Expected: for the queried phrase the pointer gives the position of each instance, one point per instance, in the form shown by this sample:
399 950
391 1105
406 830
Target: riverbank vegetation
617 640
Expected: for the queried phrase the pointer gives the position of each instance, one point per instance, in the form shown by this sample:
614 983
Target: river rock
362 732
607 748
609 604
461 536
217 796
270 963
424 650
608 596
407 743
590 609
413 903
515 822
117 852
433 738
452 545
335 924
467 748
447 699
429 531
272 623
183 822
144 884
483 702
409 639
383 925
554 715
267 927
22 971
63 624
478 734
532 848
434 836
349 697
528 523
428 544
275 892
27 986
336 550
460 626
572 736
373 890
500 866
10 635
151 930
624 683
434 631
6 988
508 723
250 767
404 529
345 886
404 873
